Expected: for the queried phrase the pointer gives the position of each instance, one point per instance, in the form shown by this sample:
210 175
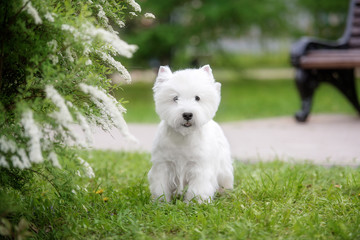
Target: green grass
273 200
270 201
243 99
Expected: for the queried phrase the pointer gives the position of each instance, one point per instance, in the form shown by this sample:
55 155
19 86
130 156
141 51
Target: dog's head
186 99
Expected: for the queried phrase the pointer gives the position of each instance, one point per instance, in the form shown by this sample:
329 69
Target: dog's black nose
187 116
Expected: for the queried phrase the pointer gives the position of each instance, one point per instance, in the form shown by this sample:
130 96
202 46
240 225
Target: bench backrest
352 31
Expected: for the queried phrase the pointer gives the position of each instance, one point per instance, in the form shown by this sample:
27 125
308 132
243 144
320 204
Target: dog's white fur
190 157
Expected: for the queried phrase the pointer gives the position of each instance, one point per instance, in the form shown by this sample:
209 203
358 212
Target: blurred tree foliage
183 26
329 17
55 58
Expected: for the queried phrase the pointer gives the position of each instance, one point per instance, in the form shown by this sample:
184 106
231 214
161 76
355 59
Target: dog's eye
176 98
197 98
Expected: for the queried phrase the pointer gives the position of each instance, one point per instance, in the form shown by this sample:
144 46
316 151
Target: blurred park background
247 45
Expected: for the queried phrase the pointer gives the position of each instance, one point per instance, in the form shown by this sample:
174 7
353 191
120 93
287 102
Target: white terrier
190 155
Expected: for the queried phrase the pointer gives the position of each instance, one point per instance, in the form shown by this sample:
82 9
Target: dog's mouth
187 124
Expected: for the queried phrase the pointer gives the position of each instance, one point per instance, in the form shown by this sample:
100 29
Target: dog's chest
183 150
172 146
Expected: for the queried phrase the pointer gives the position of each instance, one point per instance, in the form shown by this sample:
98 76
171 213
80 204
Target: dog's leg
160 182
202 186
226 178
226 182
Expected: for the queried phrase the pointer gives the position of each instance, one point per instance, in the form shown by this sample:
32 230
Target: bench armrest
300 47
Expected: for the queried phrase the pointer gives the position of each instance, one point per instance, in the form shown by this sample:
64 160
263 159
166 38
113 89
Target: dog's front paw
197 198
201 190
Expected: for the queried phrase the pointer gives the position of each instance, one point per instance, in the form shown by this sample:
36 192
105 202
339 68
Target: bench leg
306 84
344 80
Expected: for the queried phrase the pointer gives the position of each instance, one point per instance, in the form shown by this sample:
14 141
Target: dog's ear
218 87
208 70
164 74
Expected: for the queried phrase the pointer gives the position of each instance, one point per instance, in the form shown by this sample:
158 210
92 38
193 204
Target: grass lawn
270 201
243 99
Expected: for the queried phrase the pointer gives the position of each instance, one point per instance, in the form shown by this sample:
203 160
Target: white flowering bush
55 59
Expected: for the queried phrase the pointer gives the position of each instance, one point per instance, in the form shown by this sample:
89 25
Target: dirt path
324 140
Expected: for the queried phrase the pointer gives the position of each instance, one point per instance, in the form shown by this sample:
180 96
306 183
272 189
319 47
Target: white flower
71 29
48 16
120 23
104 122
88 62
85 127
25 160
102 14
53 44
32 11
117 78
7 145
135 5
88 32
54 160
89 172
69 104
3 162
69 55
67 27
21 160
54 59
63 115
34 134
121 47
110 108
16 162
86 50
149 15
133 14
110 60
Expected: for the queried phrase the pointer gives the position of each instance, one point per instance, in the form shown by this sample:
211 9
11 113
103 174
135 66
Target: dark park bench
335 62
